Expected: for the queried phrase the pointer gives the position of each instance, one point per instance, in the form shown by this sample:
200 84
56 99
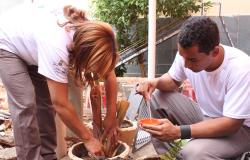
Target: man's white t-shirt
223 92
33 34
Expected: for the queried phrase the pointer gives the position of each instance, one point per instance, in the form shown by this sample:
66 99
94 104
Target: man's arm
163 83
166 83
217 127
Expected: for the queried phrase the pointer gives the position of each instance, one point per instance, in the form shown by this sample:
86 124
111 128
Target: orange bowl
149 121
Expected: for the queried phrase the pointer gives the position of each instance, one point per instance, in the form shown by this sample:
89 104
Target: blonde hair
74 16
94 47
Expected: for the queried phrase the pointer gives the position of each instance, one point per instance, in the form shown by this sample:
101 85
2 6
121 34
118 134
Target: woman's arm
65 110
110 123
111 94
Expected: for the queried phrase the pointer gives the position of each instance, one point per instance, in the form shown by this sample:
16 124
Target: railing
222 22
139 47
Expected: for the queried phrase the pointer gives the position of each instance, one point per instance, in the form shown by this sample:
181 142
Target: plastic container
149 121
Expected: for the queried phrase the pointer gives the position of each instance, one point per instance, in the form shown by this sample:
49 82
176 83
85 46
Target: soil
126 124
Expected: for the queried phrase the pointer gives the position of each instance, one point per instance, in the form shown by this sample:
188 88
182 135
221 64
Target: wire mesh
142 137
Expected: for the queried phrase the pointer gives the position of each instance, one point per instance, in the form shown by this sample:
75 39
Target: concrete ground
147 150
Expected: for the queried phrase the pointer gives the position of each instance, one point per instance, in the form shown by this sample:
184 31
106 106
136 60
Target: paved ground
147 150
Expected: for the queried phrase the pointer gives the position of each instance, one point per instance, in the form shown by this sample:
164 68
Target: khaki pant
30 107
181 110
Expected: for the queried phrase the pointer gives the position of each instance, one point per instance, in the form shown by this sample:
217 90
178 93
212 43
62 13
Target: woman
36 53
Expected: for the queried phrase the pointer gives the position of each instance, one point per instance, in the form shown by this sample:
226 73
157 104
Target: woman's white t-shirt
223 92
33 34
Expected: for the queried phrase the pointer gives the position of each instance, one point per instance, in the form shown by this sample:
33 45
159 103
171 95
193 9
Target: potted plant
111 148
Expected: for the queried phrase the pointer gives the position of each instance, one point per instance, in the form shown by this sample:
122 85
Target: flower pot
79 152
127 131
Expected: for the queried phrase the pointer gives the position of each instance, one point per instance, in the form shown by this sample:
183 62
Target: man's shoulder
237 58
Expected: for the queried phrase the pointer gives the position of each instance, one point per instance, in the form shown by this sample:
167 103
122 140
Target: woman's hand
165 131
110 137
94 147
110 128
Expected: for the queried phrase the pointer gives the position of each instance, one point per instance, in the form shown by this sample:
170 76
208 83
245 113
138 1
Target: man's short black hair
201 31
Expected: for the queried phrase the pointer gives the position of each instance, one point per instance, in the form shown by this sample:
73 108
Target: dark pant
30 107
181 110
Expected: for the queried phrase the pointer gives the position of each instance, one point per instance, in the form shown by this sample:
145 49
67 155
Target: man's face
195 60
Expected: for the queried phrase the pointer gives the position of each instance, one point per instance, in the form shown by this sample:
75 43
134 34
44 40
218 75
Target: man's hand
165 131
94 147
146 88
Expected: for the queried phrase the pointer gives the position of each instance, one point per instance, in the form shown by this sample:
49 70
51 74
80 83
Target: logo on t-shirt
61 68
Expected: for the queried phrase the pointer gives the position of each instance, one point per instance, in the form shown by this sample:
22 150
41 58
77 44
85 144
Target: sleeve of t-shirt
52 64
237 101
176 71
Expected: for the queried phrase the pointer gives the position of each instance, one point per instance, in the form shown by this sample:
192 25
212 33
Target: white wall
229 8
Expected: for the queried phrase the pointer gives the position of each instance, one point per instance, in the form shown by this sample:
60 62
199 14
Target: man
219 124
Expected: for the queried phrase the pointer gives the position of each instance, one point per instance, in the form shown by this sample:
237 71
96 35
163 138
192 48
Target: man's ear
216 51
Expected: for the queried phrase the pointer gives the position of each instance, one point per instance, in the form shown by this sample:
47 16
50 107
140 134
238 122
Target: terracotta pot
127 131
79 152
